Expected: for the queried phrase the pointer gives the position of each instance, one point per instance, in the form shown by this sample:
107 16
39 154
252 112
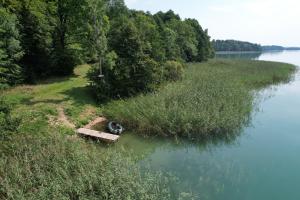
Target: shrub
8 125
63 63
173 70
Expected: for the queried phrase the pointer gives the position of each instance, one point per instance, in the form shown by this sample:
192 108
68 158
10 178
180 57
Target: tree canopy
129 49
10 49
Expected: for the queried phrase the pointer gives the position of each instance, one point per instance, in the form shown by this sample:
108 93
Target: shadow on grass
45 101
59 79
81 96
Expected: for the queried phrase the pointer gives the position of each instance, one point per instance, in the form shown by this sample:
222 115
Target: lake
262 163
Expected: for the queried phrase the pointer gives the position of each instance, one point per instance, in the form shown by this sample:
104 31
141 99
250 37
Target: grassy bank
214 97
42 158
56 167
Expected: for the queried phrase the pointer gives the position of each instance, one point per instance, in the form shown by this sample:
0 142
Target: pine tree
10 49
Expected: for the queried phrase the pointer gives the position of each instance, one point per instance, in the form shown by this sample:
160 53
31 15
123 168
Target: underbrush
213 98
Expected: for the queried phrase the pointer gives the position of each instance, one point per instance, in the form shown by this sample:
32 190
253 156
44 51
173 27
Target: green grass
71 93
59 167
43 159
215 98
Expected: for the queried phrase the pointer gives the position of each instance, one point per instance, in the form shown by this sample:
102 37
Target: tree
186 39
10 49
172 49
97 25
131 51
204 46
35 38
116 8
68 23
149 35
129 71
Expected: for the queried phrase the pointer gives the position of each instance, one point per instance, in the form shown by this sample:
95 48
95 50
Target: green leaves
129 47
10 49
8 125
143 43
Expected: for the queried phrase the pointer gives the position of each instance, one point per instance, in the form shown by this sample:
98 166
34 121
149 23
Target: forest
235 45
131 51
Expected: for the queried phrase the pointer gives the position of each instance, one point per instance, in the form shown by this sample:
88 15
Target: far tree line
235 45
131 51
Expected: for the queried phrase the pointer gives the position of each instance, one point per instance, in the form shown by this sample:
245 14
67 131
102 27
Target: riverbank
44 159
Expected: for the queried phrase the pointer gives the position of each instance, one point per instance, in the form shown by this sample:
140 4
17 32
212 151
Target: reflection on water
290 56
261 163
250 55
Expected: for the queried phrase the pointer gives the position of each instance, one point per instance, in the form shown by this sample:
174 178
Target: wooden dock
106 137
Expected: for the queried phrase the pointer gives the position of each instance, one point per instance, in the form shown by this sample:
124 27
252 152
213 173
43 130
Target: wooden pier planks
99 135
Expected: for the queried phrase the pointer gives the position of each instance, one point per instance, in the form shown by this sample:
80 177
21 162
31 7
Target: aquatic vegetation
214 98
65 168
43 159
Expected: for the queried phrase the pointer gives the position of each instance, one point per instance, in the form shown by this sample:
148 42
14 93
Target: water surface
262 163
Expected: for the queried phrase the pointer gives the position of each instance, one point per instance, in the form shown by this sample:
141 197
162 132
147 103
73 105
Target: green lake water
262 163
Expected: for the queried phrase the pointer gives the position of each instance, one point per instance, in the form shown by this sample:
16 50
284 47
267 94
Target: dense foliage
141 48
10 50
213 99
128 48
234 45
8 125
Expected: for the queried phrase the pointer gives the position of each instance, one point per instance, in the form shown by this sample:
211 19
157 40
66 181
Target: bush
8 125
173 70
63 63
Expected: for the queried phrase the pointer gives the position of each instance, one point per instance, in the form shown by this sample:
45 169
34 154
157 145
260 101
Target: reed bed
214 98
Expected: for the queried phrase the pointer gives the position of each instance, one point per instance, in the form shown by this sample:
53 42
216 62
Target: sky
266 22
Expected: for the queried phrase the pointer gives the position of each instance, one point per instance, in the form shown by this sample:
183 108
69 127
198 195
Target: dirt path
64 119
98 120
